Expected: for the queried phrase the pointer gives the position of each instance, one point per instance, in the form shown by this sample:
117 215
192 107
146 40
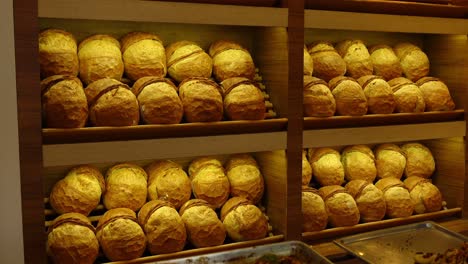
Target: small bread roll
64 102
359 163
379 95
314 213
436 94
385 62
100 57
356 56
397 197
306 169
202 100
390 161
185 59
164 229
79 192
369 199
204 229
57 53
408 97
230 59
328 64
71 239
120 235
243 99
341 208
308 63
169 182
209 182
327 167
158 100
419 160
143 55
426 196
245 177
111 103
318 99
349 96
243 220
126 185
413 61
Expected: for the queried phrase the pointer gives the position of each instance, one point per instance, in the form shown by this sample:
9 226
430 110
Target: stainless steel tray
251 254
399 244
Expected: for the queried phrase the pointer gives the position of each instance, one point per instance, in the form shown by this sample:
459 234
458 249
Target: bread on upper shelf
408 97
326 165
318 99
185 59
436 94
306 169
390 161
349 96
245 177
57 53
419 160
385 62
356 56
359 163
230 59
243 99
327 63
379 95
308 63
413 60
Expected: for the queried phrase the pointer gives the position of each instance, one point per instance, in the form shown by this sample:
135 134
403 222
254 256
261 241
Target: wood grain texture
233 2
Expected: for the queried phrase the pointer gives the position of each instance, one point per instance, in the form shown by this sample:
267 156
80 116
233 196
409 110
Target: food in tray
308 63
359 163
356 56
413 60
397 198
306 169
369 199
158 100
185 59
314 213
143 55
458 255
57 53
385 62
275 259
243 99
426 196
436 94
408 97
379 95
327 168
341 208
390 161
328 64
349 96
318 99
230 59
245 177
419 160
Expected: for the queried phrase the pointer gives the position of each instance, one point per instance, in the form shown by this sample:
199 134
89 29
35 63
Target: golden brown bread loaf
385 62
419 160
185 59
426 196
111 103
164 229
397 197
64 102
318 99
436 94
408 97
243 99
378 93
245 177
79 192
328 64
349 96
389 160
57 53
71 239
100 57
341 208
326 165
369 199
202 100
356 56
230 59
308 63
209 182
204 229
143 55
243 220
306 169
126 186
413 60
158 100
359 163
168 181
314 214
120 235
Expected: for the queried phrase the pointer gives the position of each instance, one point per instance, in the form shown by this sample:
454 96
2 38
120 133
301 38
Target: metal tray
399 244
251 254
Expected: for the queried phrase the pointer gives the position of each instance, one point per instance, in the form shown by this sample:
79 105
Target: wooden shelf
232 2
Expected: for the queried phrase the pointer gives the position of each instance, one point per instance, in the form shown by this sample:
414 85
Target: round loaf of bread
64 102
379 95
426 196
397 197
436 94
341 208
359 163
385 62
185 59
408 97
202 100
349 96
230 59
245 177
413 60
111 103
126 186
308 63
79 192
328 64
143 55
306 169
369 199
120 235
419 160
326 165
57 53
100 57
71 239
158 100
390 161
314 213
356 56
164 229
318 99
243 99
204 229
